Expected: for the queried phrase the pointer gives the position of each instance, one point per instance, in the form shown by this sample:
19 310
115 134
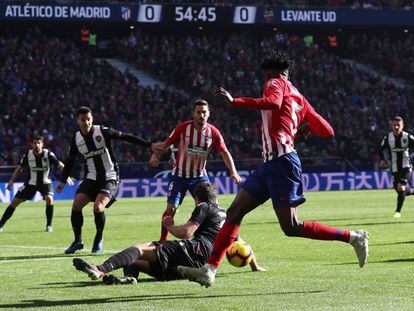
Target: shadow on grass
393 243
377 223
39 303
85 284
45 256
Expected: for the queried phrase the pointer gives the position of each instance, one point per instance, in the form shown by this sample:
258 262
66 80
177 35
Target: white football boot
204 275
360 244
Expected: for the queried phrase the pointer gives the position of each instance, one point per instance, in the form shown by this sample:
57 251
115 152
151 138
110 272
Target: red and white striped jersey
283 109
193 148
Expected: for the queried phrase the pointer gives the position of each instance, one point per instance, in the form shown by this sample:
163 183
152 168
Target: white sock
210 267
352 236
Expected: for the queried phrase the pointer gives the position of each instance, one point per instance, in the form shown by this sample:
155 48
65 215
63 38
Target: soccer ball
239 254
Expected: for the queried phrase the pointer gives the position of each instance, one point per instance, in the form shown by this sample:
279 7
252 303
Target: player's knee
49 200
401 187
234 215
171 209
98 207
291 230
76 207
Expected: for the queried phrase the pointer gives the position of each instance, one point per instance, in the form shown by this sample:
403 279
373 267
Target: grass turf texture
303 274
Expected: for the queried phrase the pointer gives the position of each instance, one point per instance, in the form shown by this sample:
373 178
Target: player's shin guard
77 223
225 238
400 201
164 231
318 231
7 214
49 214
122 259
100 225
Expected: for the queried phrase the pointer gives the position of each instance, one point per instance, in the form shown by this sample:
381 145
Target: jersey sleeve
317 124
218 141
52 158
174 137
411 141
110 133
73 152
200 213
383 148
272 99
23 161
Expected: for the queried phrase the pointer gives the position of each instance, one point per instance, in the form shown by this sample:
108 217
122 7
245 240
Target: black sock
400 201
7 214
49 214
77 223
100 225
121 259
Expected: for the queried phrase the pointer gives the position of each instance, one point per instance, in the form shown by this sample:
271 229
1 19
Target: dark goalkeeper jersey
210 217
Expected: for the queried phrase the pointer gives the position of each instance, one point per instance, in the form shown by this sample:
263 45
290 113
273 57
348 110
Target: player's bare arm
228 160
16 173
185 231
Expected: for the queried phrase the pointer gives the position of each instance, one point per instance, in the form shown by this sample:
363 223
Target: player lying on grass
160 259
279 177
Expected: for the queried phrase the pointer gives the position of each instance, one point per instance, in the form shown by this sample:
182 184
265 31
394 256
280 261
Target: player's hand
236 178
159 147
70 181
9 186
154 161
384 164
303 131
60 187
168 221
224 94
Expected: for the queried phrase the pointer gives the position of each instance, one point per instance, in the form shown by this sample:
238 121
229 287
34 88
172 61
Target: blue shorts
279 179
178 186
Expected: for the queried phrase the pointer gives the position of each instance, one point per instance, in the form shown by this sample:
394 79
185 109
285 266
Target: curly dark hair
277 60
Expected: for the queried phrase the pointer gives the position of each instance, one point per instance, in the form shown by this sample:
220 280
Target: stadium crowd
44 79
358 104
391 53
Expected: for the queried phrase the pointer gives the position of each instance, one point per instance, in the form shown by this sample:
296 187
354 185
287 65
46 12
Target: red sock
224 239
318 231
164 231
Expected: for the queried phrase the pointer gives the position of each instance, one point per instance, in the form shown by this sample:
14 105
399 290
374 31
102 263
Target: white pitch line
106 252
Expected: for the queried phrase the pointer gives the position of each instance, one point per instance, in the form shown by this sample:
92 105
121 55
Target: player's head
84 119
201 112
397 125
37 142
205 192
276 64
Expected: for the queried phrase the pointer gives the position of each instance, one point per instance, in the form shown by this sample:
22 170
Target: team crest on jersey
404 140
98 138
44 160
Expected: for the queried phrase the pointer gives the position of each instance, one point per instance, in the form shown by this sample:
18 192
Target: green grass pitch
303 274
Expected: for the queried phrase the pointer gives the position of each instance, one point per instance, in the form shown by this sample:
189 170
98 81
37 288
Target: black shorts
93 187
171 254
403 176
27 192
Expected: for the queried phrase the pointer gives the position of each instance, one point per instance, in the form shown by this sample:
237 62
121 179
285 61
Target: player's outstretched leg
10 211
91 270
242 204
99 211
292 227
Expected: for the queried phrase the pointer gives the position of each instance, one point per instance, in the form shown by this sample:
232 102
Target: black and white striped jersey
96 149
39 166
396 150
